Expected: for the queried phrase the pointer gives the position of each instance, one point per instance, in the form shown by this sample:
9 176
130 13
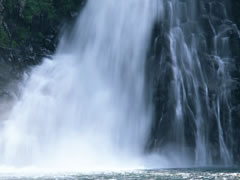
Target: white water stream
86 107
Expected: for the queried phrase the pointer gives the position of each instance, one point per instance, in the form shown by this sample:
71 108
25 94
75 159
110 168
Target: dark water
166 174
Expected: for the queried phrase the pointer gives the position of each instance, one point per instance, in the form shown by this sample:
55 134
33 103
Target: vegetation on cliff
29 31
25 22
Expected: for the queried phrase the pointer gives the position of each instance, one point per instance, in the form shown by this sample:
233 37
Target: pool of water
163 174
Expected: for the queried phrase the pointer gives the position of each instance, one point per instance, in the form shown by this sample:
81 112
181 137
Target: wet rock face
235 45
213 17
235 4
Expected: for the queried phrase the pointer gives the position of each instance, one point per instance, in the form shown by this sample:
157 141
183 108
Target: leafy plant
35 8
4 39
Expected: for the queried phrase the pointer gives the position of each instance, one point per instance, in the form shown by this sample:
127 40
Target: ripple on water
164 174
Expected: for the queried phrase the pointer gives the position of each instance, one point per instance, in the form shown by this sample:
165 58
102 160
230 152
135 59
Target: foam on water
181 174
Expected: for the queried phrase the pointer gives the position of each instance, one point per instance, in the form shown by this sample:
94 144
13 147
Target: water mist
86 108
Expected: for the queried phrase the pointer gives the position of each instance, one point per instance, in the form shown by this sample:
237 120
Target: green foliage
66 6
14 44
40 35
4 39
10 6
22 27
22 32
35 7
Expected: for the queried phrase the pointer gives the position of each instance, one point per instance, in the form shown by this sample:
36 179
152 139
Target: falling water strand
86 107
191 82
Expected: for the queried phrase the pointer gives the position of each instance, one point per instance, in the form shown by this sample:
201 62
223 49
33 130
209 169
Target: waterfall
132 78
194 73
86 106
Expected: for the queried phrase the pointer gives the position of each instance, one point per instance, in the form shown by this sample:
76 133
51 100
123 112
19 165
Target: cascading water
86 107
194 71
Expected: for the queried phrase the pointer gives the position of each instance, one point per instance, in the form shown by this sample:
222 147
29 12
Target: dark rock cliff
160 76
235 46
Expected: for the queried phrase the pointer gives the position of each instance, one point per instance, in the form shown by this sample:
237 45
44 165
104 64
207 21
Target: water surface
163 174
